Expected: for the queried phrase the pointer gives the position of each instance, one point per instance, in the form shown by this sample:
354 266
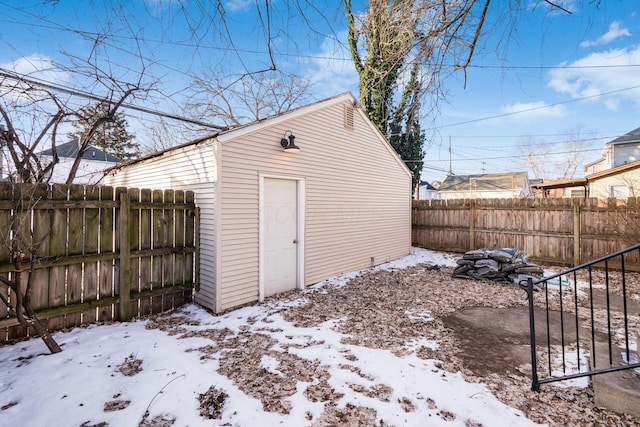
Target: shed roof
227 134
70 150
559 183
485 182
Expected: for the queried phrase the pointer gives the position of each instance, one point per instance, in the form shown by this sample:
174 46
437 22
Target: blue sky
549 78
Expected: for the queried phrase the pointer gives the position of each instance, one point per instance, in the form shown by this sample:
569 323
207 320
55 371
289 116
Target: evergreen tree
408 140
111 136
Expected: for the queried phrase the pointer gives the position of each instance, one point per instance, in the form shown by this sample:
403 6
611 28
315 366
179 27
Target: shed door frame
300 196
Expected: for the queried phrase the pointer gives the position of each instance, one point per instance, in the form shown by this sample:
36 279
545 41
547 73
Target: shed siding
358 199
189 168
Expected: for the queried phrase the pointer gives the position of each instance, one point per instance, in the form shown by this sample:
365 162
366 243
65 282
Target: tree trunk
51 344
29 317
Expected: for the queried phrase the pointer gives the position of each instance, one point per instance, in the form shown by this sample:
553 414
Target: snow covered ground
128 375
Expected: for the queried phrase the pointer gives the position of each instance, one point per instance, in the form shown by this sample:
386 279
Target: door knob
295 240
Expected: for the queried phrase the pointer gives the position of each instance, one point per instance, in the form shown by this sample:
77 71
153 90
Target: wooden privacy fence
556 231
103 253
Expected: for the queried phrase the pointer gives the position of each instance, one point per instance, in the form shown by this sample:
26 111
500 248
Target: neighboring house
426 191
620 182
273 220
617 173
486 186
91 168
622 150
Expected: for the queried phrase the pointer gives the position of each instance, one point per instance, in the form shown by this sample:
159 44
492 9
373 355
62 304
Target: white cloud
238 5
599 73
331 69
615 31
529 112
37 66
555 8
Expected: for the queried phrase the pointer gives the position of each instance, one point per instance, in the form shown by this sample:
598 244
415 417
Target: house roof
633 136
427 186
70 150
485 182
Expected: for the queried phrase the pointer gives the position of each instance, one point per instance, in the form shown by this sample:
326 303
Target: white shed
273 220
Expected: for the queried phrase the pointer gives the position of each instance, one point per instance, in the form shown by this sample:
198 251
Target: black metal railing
585 316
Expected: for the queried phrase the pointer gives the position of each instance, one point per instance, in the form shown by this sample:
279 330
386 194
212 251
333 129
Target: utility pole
1 151
450 169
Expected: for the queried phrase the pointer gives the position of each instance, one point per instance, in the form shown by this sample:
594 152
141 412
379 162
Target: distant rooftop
427 186
70 150
633 136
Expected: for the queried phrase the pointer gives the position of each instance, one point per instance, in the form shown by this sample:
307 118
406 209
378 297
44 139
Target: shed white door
280 234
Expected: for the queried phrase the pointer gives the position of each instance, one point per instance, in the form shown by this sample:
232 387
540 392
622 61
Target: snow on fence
555 231
103 253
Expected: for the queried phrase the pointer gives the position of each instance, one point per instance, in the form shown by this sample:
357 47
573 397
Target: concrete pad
497 340
618 391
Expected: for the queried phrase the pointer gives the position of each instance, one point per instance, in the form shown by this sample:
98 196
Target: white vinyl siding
358 198
188 168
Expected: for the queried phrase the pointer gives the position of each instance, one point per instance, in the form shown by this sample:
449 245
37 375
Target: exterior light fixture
289 145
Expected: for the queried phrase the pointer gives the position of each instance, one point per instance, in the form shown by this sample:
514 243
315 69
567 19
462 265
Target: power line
517 156
539 108
69 91
94 35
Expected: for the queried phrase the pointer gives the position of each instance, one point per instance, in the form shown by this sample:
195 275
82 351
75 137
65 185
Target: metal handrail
532 286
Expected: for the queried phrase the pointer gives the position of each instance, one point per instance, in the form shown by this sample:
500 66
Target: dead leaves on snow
383 310
131 366
212 403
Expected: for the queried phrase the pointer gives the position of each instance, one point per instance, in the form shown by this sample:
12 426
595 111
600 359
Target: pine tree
112 136
407 139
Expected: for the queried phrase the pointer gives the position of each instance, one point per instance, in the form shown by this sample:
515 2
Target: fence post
576 233
125 260
472 225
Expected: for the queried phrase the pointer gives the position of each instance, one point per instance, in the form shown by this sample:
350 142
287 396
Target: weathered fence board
560 231
100 253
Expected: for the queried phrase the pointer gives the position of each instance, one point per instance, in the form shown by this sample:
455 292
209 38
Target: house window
619 191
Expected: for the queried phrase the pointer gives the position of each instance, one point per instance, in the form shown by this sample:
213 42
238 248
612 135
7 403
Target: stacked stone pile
499 265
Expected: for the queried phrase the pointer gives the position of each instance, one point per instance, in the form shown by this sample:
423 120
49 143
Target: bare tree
251 97
32 113
161 137
557 160
399 48
402 50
